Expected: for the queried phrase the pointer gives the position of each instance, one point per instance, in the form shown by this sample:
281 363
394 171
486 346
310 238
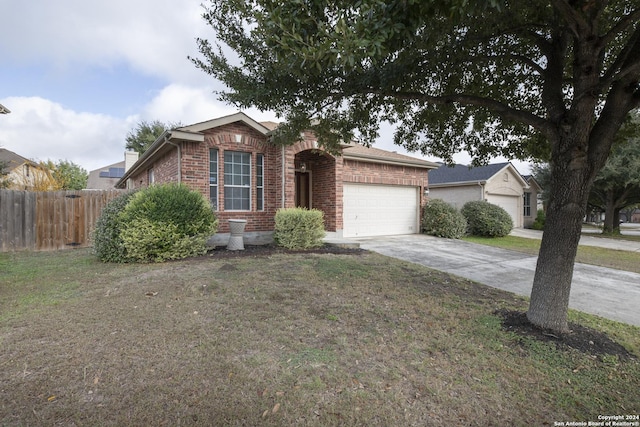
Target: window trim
260 184
241 186
215 204
526 203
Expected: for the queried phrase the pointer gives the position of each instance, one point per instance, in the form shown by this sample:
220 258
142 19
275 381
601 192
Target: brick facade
327 174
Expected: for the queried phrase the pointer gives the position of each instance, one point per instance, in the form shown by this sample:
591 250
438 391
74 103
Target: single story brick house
362 192
498 183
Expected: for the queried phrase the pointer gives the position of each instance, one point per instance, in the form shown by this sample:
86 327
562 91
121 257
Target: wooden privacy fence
49 220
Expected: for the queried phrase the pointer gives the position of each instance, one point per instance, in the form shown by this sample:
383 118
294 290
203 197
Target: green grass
620 260
288 339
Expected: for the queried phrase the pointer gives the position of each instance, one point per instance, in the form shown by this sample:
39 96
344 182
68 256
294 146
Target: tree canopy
69 176
617 185
551 80
145 133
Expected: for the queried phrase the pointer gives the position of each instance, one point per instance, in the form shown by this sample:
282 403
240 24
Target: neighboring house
4 110
531 201
500 184
362 192
107 177
22 172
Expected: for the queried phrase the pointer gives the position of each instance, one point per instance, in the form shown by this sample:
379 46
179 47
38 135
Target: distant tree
617 185
145 133
542 174
5 181
69 176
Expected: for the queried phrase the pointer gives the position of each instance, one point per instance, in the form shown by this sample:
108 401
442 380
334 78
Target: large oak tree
520 78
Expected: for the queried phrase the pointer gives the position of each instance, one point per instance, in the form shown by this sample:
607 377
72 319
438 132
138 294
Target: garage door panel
378 210
509 204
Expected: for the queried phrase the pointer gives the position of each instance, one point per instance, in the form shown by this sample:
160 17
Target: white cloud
153 37
40 129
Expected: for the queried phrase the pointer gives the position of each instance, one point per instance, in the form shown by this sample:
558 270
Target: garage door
379 210
509 204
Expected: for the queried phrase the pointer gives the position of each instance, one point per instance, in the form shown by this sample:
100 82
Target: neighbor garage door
379 210
509 204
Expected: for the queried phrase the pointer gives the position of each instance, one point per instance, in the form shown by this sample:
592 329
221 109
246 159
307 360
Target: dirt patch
581 338
269 250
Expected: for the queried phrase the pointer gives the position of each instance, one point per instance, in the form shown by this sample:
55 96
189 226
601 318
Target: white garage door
379 210
509 204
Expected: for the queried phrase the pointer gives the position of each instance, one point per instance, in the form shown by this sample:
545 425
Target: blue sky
79 75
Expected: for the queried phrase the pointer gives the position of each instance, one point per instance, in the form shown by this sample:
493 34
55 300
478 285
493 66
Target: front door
303 190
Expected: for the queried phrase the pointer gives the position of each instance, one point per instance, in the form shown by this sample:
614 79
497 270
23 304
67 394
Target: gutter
283 178
481 190
386 160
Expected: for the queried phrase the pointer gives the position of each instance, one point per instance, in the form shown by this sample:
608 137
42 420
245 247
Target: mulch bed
583 339
268 250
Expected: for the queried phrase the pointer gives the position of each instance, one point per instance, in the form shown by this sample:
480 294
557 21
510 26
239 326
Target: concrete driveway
606 292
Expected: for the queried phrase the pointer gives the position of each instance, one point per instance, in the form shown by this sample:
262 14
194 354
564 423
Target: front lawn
285 339
620 260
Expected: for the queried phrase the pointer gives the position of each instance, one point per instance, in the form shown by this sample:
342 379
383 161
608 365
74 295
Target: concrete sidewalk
602 242
605 292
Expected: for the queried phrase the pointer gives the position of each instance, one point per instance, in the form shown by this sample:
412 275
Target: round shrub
440 219
167 221
538 224
107 242
299 228
487 220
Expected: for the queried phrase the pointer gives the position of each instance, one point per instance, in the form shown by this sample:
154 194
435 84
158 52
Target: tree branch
625 22
496 107
574 19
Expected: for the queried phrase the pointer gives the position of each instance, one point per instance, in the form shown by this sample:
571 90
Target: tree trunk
554 270
609 214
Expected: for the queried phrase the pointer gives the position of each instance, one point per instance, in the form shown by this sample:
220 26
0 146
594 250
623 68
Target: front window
237 181
527 204
213 178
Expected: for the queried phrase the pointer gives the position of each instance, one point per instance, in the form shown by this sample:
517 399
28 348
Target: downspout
179 158
481 190
283 178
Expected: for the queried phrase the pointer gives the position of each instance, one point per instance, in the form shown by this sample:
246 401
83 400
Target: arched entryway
315 183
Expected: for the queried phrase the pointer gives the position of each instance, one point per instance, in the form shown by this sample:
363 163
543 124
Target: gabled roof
4 110
462 174
375 155
532 180
13 160
221 121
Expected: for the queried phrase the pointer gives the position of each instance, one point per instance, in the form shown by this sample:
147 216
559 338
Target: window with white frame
527 204
151 176
260 182
213 178
237 181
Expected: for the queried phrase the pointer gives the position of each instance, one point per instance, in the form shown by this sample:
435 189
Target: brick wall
328 173
380 173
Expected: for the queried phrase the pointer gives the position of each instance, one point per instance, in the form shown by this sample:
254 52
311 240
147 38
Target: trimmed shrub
107 242
167 221
440 219
486 219
538 223
299 228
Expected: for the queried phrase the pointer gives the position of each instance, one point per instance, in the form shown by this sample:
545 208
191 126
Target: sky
78 76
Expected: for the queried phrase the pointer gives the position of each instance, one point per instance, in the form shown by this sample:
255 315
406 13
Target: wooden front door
303 190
